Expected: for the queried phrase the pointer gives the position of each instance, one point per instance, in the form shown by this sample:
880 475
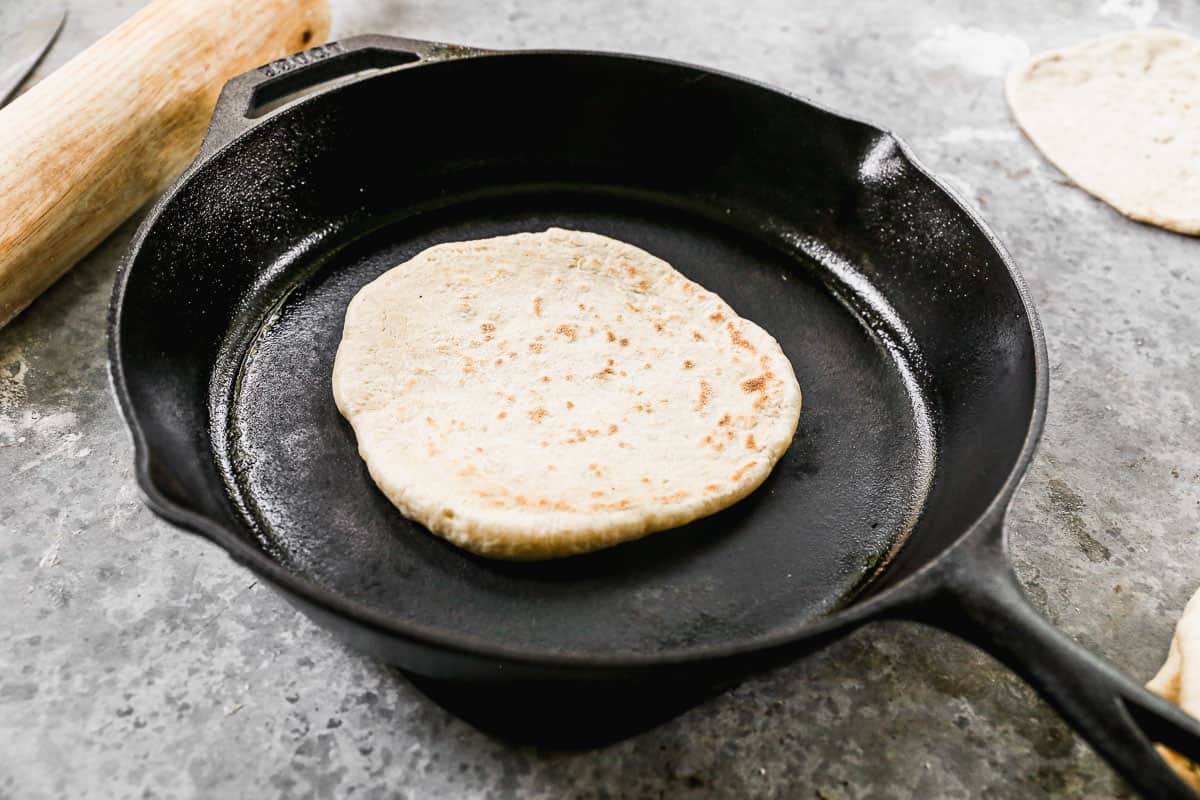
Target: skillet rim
328 601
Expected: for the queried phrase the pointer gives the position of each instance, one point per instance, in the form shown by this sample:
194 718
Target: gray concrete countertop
140 661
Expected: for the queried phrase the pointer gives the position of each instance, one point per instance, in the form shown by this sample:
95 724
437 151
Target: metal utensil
24 50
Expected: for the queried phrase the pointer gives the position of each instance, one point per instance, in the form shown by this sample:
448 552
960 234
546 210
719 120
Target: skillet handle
976 596
253 95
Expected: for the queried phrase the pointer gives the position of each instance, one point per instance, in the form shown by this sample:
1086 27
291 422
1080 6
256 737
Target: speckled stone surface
138 661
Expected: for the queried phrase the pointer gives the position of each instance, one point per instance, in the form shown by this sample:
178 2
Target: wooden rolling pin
86 147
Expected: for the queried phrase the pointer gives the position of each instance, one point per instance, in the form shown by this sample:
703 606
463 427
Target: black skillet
914 339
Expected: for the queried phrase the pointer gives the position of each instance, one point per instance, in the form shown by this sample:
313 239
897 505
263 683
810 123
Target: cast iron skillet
914 339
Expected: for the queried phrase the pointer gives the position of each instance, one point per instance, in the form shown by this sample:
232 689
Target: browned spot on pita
646 480
478 449
742 470
468 367
689 364
716 316
499 361
713 487
699 337
489 331
612 429
563 505
545 379
754 384
671 498
644 284
502 415
597 493
658 326
736 337
429 420
612 337
512 354
633 308
725 420
569 331
468 471
580 435
624 342
570 404
750 443
538 414
536 346
622 445
705 395
537 306
617 506
582 307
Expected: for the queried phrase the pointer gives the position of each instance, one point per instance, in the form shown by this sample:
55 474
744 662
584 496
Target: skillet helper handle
86 147
254 94
979 599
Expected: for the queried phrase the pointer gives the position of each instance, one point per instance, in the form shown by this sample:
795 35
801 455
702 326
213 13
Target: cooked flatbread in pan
544 394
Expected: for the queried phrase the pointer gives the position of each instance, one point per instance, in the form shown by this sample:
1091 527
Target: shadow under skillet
565 716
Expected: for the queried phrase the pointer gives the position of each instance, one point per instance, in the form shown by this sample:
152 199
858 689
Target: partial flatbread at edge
1120 115
1179 681
544 394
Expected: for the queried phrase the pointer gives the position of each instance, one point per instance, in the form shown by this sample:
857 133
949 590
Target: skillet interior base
847 491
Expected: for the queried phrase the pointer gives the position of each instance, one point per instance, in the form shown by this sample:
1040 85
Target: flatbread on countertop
1120 115
1179 681
544 394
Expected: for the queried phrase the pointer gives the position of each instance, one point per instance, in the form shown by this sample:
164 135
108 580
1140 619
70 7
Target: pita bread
1121 116
1179 681
544 394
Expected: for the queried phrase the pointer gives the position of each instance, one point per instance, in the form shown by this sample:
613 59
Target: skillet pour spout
913 336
